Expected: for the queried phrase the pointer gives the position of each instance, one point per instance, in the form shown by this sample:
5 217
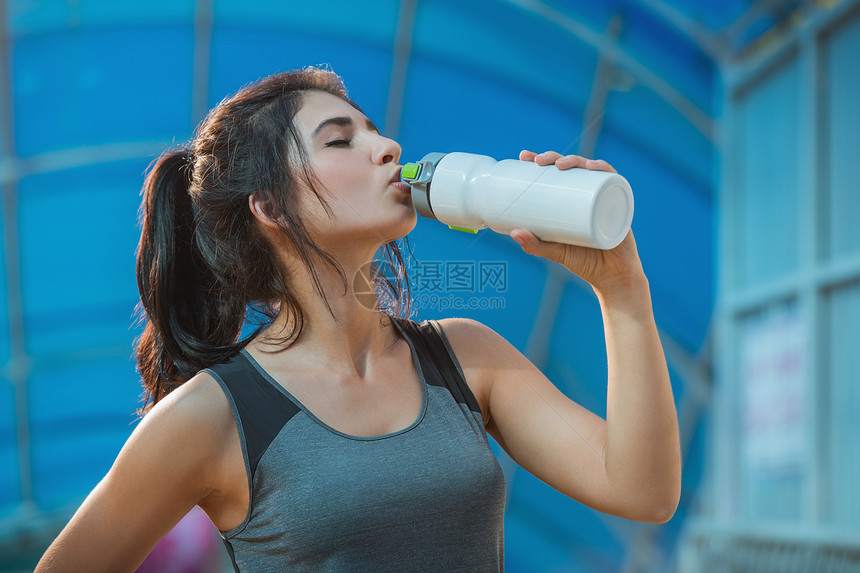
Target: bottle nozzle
410 172
418 175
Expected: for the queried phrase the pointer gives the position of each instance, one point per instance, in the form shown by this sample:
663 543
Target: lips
402 187
396 177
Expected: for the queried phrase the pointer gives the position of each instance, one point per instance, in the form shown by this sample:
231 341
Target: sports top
429 497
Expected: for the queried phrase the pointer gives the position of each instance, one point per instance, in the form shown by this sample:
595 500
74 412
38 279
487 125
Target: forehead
319 106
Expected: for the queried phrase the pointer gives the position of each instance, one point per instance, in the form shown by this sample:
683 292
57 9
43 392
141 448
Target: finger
599 165
526 155
532 245
547 158
570 161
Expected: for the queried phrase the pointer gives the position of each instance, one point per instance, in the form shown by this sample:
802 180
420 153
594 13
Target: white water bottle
469 192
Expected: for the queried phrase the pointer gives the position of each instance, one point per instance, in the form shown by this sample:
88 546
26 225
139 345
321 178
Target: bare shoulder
477 345
197 420
197 410
465 335
482 354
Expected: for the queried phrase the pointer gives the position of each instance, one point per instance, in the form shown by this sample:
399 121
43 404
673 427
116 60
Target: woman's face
358 173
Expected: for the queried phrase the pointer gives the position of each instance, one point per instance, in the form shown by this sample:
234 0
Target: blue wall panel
79 234
93 86
245 54
81 415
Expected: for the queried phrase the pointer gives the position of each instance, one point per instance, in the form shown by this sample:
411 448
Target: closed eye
339 143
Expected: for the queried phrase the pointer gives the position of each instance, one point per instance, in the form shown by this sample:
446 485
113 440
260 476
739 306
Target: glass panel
844 363
767 174
774 420
842 140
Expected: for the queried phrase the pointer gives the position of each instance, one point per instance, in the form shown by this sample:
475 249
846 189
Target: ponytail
182 333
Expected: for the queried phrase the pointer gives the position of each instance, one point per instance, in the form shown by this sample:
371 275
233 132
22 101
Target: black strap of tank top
442 369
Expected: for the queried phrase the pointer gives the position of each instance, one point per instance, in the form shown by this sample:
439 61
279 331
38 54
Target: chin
413 222
402 230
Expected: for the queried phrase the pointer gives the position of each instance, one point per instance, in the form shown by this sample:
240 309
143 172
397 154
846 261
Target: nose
386 150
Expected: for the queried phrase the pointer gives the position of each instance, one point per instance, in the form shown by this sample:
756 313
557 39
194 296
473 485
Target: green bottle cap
464 229
410 171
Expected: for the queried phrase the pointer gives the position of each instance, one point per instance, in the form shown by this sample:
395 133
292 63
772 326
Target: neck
344 341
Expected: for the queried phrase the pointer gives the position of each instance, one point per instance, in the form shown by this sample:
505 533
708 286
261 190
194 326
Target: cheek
334 192
310 202
341 170
340 179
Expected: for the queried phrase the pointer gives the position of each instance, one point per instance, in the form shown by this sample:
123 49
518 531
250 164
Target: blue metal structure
93 90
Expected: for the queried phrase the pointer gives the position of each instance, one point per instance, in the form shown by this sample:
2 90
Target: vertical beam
722 464
203 16
18 369
400 67
810 246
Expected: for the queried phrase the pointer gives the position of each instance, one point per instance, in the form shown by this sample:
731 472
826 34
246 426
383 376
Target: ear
262 209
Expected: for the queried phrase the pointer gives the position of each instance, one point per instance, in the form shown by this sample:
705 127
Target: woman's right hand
602 269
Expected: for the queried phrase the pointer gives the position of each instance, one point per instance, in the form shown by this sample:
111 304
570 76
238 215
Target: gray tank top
429 497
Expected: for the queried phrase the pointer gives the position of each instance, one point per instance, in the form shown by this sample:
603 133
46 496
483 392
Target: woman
337 437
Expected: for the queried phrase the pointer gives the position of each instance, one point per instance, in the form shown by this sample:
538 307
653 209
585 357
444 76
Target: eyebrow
342 121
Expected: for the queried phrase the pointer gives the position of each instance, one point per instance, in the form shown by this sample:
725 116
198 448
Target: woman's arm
172 461
627 465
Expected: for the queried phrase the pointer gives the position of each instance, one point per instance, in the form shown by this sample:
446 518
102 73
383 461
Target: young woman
338 436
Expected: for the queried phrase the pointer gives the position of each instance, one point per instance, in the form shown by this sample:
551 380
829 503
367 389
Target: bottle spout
410 172
419 176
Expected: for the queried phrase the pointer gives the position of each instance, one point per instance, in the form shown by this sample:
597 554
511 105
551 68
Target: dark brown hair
202 264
